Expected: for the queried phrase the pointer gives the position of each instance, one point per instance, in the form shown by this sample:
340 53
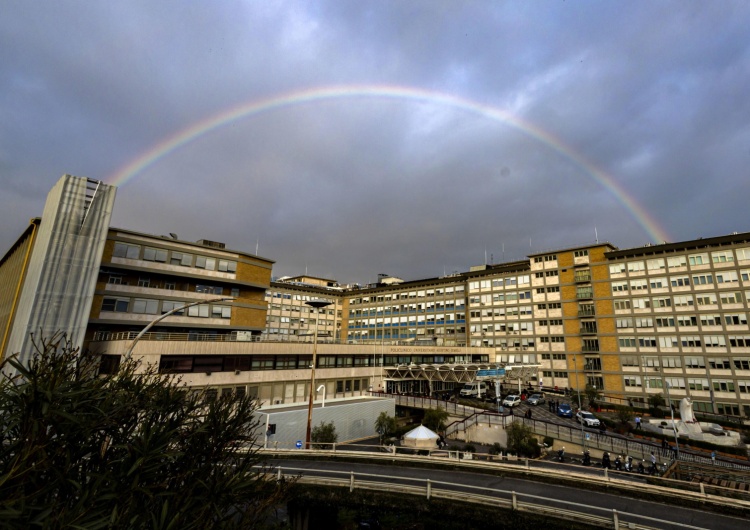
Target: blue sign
299 444
491 373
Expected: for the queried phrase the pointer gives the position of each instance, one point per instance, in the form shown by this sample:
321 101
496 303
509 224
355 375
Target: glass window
124 250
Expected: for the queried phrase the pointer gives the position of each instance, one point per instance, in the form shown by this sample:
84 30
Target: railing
612 443
670 489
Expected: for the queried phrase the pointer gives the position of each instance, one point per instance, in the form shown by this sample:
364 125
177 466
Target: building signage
425 349
491 373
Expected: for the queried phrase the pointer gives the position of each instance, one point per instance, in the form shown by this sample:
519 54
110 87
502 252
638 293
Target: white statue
686 410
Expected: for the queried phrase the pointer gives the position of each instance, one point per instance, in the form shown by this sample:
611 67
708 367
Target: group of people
623 463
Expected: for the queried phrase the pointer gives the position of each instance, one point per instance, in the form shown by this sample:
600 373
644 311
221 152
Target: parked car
535 399
511 401
564 410
588 419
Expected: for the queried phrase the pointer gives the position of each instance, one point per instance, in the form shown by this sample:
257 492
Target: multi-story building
670 318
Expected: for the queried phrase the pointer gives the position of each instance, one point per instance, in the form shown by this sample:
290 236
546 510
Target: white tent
421 437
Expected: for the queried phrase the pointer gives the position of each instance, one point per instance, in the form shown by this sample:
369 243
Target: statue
686 410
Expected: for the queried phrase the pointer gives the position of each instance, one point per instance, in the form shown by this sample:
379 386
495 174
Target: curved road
547 494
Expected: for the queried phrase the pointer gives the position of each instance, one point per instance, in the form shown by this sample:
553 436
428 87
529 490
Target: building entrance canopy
460 373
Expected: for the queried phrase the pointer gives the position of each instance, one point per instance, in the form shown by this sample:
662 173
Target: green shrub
548 441
496 449
468 448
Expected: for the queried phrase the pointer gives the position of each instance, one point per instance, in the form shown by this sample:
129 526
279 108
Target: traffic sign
299 444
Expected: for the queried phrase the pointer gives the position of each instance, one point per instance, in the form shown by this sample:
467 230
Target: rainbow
311 95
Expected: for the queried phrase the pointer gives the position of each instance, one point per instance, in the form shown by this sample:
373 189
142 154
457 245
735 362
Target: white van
474 389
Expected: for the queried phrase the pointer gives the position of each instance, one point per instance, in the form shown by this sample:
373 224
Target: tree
624 414
130 449
592 394
655 401
324 435
435 419
521 440
385 425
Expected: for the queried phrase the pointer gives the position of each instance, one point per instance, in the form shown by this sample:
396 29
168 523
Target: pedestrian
713 457
664 446
653 459
638 422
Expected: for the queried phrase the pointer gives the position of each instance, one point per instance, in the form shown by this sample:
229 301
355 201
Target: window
622 304
201 311
630 360
680 281
665 322
658 283
144 305
624 323
727 277
655 264
617 268
698 384
636 266
169 286
221 311
743 254
731 298
719 363
671 362
619 287
227 266
638 285
706 299
632 381
683 301
694 362
722 257
144 282
169 305
715 341
114 280
155 254
647 342
235 293
117 305
698 259
203 262
180 258
703 279
691 341
742 363
123 250
581 253
663 301
733 320
677 261
668 341
627 342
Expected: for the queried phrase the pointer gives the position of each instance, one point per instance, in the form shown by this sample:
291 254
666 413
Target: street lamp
674 427
580 408
323 388
129 351
318 304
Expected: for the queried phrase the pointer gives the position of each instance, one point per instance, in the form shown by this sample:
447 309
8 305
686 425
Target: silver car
588 419
535 399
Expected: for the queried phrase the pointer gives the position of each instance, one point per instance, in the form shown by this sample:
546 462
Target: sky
347 139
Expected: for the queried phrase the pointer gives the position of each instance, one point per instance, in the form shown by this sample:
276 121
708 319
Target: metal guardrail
521 502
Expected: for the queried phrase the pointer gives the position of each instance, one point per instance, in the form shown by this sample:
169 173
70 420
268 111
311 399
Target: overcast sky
443 133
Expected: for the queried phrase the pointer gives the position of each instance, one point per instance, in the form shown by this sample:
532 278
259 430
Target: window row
160 255
701 258
150 306
404 296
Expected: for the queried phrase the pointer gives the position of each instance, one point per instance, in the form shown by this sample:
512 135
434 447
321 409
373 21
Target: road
545 493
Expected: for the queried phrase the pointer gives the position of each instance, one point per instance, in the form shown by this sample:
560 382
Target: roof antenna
596 235
257 242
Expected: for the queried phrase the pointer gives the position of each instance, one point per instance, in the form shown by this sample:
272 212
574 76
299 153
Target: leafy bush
129 449
548 441
468 448
324 436
496 449
521 440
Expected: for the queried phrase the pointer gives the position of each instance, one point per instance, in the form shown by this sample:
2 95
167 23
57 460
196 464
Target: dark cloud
652 96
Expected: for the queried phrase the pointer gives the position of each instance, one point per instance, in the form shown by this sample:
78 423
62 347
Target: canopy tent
421 437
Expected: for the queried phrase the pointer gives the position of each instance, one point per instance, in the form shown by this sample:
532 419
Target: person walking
638 422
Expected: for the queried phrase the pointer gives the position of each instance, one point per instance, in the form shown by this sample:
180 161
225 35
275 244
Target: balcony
584 293
586 311
588 328
582 276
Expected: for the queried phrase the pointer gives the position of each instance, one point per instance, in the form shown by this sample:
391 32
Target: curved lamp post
317 304
323 388
129 351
